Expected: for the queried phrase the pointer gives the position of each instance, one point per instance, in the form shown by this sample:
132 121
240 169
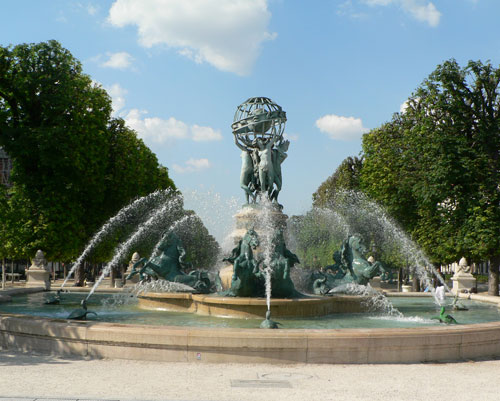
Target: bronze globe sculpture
258 117
258 128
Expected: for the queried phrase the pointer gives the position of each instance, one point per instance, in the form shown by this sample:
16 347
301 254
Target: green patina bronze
444 318
456 305
81 313
258 128
247 279
169 264
268 323
282 260
249 276
350 267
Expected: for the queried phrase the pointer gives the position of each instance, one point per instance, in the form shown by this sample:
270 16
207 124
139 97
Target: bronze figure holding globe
258 128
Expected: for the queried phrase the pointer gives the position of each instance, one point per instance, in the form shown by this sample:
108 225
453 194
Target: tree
437 167
74 166
345 177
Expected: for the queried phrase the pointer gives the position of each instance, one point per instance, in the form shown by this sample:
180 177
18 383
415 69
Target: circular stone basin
124 331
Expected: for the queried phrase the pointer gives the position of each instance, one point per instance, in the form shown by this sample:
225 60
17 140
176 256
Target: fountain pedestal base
250 308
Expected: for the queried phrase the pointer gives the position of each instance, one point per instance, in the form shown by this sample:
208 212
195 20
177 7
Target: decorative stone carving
463 279
38 274
135 258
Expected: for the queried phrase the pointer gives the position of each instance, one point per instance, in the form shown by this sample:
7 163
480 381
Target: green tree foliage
314 238
437 167
345 177
202 250
74 166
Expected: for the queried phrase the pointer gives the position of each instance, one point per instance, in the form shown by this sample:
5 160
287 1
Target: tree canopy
436 166
74 165
345 177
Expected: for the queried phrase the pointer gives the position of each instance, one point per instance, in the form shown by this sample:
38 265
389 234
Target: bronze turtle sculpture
268 323
444 318
53 299
81 313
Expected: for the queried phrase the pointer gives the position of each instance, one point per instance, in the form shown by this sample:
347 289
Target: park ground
48 377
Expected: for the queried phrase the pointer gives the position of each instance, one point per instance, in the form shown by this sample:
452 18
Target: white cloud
202 134
341 128
227 34
158 130
117 94
155 129
421 10
403 107
192 165
120 60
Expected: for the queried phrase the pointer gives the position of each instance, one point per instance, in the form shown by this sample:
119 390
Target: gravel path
32 376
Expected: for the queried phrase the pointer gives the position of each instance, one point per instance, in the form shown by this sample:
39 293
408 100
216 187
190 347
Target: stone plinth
250 308
257 217
462 279
38 274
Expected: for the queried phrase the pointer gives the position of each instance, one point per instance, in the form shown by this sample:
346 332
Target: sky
177 70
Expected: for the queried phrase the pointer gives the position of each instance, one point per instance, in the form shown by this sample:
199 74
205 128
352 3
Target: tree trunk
3 274
493 276
79 275
415 285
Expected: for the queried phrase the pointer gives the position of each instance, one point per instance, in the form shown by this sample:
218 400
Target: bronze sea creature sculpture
53 299
169 265
81 313
444 318
268 323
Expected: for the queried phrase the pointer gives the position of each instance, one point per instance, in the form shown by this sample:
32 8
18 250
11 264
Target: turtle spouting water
444 318
268 323
54 299
81 313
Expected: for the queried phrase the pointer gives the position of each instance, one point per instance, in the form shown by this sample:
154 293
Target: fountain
322 326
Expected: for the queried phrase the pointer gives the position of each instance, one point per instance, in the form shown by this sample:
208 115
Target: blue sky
177 70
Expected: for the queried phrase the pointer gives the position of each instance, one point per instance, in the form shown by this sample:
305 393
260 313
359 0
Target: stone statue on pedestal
463 280
38 274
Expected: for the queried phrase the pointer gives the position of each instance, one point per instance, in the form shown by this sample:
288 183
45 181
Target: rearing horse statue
168 265
247 279
350 267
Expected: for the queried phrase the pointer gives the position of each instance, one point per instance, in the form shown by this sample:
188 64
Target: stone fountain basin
225 345
191 344
248 308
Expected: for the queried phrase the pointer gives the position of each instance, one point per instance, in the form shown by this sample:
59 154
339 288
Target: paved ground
38 377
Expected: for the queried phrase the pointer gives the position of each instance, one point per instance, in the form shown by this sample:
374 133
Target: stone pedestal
38 274
264 220
462 279
259 218
406 288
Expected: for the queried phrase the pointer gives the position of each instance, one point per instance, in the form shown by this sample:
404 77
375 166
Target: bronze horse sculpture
247 280
168 265
350 267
